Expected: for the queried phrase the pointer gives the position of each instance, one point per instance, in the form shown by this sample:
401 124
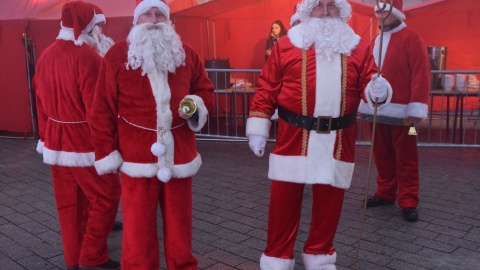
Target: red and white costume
65 82
132 112
300 156
407 67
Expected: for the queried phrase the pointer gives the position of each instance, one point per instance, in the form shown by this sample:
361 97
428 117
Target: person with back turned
65 82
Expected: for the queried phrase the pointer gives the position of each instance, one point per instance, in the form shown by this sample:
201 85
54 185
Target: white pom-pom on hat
158 149
164 174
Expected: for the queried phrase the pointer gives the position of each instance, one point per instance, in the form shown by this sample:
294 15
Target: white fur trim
67 34
371 101
139 169
319 262
151 169
109 163
307 170
188 169
162 94
396 110
305 7
272 263
258 126
145 5
68 159
417 109
40 146
395 12
202 114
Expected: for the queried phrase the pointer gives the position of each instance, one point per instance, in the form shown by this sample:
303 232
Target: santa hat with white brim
144 5
305 7
396 9
81 17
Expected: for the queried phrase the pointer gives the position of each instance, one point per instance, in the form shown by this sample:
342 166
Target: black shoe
108 265
117 226
410 214
375 201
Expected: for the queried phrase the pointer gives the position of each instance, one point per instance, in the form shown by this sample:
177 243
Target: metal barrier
453 118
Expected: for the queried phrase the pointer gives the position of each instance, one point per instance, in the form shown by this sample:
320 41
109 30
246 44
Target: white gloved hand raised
378 88
257 144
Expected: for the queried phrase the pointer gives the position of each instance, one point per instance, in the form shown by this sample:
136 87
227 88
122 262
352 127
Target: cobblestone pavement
231 195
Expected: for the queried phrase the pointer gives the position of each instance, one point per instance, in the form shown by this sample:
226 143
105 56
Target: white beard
329 35
154 47
102 42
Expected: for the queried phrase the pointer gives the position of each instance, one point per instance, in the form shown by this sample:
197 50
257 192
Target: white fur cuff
109 163
202 114
258 126
272 263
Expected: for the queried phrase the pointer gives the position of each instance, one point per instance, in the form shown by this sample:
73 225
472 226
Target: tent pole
208 39
30 61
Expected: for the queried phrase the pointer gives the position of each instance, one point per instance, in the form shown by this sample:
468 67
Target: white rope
65 122
150 129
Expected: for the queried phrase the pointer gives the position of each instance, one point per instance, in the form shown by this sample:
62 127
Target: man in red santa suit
139 130
407 67
65 82
317 76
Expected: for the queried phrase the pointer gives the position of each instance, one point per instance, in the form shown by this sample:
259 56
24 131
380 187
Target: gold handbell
412 131
188 106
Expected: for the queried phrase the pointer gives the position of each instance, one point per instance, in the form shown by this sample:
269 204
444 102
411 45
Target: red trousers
87 205
396 158
284 218
140 200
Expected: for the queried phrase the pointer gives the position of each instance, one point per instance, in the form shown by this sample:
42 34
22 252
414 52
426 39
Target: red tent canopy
224 29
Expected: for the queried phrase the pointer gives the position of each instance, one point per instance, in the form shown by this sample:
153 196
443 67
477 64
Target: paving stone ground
231 194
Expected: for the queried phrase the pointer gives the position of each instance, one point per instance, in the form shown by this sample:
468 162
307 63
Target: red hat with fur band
145 5
396 9
81 16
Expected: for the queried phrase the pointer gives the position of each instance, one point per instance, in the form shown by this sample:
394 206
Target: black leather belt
322 124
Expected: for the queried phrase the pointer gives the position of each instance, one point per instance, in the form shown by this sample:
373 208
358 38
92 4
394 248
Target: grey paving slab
231 194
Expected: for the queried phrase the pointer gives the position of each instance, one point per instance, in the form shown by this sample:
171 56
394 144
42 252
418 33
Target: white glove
257 144
275 115
378 87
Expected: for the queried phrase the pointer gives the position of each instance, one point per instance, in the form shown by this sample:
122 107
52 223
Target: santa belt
322 124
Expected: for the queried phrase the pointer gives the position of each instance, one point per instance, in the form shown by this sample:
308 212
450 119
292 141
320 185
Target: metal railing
453 118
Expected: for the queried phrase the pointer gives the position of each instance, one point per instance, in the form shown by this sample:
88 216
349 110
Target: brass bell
188 106
412 131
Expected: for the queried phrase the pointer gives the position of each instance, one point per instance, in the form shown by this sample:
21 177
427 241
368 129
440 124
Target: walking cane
380 7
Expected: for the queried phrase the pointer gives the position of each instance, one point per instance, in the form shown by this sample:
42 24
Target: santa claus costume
317 85
137 129
65 82
406 66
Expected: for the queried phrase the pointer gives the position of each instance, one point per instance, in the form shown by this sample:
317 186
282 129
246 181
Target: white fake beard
102 42
154 47
330 35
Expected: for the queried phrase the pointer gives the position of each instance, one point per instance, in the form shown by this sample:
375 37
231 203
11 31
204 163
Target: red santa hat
145 5
396 9
81 16
305 7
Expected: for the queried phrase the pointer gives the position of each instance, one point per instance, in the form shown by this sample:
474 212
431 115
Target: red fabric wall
14 94
240 36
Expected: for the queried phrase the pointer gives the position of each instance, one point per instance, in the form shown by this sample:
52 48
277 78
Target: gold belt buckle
329 118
